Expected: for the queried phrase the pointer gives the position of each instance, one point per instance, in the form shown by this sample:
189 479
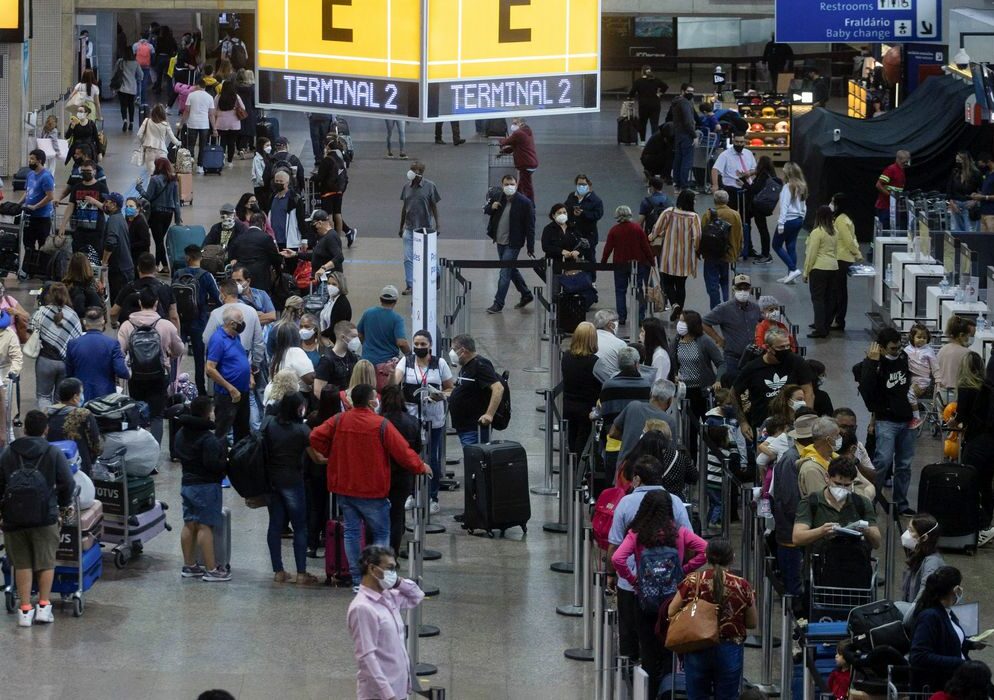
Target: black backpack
247 461
186 292
502 416
716 237
145 349
653 216
238 55
27 496
765 201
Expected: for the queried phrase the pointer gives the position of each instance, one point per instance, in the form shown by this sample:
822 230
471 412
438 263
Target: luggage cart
833 602
704 154
12 244
499 164
901 686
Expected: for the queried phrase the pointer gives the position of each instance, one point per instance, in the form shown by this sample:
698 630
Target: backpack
660 571
600 522
214 258
284 287
116 412
144 54
247 461
653 216
117 79
842 562
502 416
765 201
186 292
145 349
26 499
238 55
715 238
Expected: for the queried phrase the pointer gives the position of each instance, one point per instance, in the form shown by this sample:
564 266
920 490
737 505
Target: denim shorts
202 504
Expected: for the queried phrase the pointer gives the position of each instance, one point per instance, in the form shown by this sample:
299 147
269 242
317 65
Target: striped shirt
56 336
681 232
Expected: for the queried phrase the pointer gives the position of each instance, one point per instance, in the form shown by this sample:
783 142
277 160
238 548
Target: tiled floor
149 634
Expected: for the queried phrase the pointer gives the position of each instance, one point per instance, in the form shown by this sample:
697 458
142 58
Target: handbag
137 156
240 112
32 348
695 626
56 242
654 290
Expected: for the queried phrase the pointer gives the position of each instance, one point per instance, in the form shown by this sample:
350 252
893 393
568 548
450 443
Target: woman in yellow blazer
847 252
821 270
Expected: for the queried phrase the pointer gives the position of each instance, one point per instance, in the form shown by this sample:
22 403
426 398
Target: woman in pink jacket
655 537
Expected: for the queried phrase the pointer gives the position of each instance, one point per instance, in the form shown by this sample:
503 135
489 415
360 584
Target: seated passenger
835 506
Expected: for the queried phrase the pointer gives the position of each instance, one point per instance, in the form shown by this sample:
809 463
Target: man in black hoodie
884 380
203 457
35 482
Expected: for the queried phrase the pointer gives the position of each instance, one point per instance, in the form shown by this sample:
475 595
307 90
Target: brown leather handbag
695 626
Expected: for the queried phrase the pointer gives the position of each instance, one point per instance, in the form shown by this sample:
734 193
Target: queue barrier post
786 656
600 610
419 534
547 488
609 639
633 300
703 507
890 549
726 499
766 683
573 497
586 651
418 668
541 303
745 553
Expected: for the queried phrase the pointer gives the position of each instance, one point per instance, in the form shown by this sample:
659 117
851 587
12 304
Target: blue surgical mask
130 211
582 189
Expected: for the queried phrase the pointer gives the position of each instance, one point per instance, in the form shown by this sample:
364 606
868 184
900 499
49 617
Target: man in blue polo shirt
39 192
228 366
381 330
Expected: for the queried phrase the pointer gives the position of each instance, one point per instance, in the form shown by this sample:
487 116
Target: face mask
773 315
227 221
306 333
837 445
561 219
240 327
689 95
241 287
267 149
509 190
738 148
280 186
81 116
681 328
831 205
411 175
453 357
891 357
782 355
514 127
908 541
797 405
333 291
422 352
355 344
389 579
582 189
130 212
839 493
742 295
87 175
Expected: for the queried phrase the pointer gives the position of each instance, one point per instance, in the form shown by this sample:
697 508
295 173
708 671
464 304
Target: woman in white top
287 354
653 336
154 137
423 369
131 80
793 209
85 93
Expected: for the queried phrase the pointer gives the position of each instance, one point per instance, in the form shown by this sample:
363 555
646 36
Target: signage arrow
927 28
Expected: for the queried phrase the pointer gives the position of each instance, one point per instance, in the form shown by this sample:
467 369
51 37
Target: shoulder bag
695 625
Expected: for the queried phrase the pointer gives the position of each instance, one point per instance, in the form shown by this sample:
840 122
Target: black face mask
738 148
422 352
240 327
782 355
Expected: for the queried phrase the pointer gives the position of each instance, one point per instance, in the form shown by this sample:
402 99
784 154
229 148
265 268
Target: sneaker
439 142
355 590
434 508
407 292
389 154
763 260
985 536
43 613
794 274
352 234
403 156
217 574
675 314
409 503
458 142
200 170
525 301
494 309
25 617
783 280
915 423
195 571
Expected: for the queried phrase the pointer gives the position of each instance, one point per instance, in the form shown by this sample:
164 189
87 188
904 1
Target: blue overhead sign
871 21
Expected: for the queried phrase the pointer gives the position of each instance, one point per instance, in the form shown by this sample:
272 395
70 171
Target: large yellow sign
11 21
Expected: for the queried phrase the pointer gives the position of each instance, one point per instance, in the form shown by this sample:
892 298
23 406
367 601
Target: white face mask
514 127
81 116
389 579
453 358
561 219
908 541
241 287
742 295
891 357
355 344
306 333
797 405
333 291
267 149
509 190
681 328
839 493
411 175
837 445
773 315
227 221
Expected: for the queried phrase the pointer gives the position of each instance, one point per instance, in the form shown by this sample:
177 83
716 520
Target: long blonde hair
793 177
971 372
363 373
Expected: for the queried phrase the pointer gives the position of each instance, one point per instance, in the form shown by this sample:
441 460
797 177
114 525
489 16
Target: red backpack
144 54
603 516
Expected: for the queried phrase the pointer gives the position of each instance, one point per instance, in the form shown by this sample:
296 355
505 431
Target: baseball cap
741 279
227 208
281 141
802 426
389 293
117 198
317 215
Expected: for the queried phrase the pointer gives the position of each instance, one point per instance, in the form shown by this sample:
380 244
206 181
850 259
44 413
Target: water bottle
959 295
944 285
888 275
981 323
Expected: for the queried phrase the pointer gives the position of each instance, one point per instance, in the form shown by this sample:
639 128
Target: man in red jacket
359 446
521 143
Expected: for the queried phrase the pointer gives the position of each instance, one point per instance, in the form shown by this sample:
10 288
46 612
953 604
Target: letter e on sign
506 34
329 32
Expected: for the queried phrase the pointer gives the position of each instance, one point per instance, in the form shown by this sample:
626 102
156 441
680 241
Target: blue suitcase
178 238
213 160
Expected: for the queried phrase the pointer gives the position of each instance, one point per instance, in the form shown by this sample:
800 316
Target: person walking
717 267
401 127
765 172
511 227
139 232
377 628
733 172
793 209
627 242
520 143
585 209
848 254
648 91
200 118
57 324
162 194
420 211
684 136
680 229
821 270
131 77
715 673
155 136
227 106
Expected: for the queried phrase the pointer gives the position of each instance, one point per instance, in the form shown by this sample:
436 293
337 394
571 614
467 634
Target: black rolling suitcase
496 493
628 130
572 311
950 492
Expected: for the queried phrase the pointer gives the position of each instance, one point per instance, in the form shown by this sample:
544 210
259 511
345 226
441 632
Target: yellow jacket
847 248
735 235
812 474
820 251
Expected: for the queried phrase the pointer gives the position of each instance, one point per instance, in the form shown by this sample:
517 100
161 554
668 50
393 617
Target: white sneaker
434 508
409 503
43 613
25 617
985 537
794 274
200 170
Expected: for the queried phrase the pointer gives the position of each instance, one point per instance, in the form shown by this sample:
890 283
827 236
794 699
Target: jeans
738 200
316 483
790 560
764 233
960 221
895 450
401 128
435 439
159 221
376 513
785 242
474 437
229 140
152 392
48 374
319 132
507 275
195 334
146 82
683 159
715 673
716 281
289 502
621 278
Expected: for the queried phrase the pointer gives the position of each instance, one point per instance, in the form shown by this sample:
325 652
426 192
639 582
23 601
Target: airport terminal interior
147 632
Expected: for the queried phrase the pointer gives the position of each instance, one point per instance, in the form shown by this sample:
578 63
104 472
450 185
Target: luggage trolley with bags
843 576
705 153
12 221
499 163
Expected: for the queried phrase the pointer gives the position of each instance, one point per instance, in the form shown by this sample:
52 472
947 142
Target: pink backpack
603 515
144 54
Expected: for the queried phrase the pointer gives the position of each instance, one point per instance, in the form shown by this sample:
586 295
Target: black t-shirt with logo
336 370
471 395
759 382
127 299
